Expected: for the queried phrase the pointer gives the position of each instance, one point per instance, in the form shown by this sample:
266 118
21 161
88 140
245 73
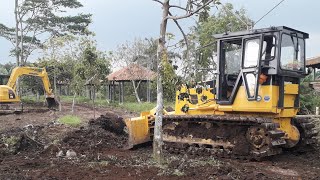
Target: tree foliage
227 19
200 52
74 60
39 20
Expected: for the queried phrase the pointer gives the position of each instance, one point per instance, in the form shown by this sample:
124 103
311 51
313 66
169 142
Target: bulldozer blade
138 130
52 102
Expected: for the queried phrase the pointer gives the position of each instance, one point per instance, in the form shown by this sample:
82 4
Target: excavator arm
36 72
30 71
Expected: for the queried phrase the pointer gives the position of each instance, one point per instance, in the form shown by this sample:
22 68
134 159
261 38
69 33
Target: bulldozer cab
272 56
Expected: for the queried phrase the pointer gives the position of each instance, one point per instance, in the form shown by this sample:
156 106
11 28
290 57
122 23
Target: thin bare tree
191 8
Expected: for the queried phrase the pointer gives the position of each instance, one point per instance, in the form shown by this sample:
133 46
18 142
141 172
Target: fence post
317 110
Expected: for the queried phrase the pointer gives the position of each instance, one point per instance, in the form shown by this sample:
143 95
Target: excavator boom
8 96
30 71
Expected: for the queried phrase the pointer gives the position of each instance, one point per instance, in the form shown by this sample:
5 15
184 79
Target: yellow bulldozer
248 110
10 101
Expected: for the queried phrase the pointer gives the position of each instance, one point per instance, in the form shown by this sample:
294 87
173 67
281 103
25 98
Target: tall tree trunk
93 101
17 32
161 53
17 44
53 57
55 81
88 92
22 61
73 102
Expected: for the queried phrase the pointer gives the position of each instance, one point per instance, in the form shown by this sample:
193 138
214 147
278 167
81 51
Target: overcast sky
117 21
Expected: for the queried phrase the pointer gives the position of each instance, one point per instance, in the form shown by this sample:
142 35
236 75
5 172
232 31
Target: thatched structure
133 72
314 63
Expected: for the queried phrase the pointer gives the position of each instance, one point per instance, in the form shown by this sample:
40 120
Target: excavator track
307 131
226 136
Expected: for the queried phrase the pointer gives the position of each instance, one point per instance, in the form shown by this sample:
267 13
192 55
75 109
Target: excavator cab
249 110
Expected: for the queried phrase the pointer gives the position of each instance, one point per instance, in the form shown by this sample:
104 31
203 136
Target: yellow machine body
10 101
248 108
141 128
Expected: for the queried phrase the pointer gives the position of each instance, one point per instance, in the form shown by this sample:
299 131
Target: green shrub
309 99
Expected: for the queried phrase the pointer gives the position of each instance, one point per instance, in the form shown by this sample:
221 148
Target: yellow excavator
248 110
10 102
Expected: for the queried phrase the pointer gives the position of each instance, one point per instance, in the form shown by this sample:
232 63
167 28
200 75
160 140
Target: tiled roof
313 62
132 72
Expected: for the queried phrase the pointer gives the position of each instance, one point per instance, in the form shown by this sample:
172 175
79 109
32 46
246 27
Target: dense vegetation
73 60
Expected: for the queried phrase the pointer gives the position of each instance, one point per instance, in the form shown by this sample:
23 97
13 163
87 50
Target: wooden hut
314 63
133 72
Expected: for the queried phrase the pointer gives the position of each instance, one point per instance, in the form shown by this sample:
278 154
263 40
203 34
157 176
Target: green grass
31 99
129 106
70 120
138 107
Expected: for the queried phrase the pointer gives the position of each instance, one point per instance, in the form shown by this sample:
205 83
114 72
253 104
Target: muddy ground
34 145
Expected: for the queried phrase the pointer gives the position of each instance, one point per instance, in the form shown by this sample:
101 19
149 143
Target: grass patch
31 99
128 106
70 120
11 141
138 107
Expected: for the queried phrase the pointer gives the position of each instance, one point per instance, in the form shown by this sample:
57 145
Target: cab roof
259 31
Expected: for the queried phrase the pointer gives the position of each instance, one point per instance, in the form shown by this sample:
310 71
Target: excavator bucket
52 102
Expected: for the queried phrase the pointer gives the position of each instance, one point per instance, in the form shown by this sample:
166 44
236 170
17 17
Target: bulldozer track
264 138
307 130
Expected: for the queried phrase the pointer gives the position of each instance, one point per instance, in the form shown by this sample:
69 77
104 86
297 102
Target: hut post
113 91
107 91
122 92
148 91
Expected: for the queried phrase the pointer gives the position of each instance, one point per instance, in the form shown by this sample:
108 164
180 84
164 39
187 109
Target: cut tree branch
190 13
158 1
179 7
182 32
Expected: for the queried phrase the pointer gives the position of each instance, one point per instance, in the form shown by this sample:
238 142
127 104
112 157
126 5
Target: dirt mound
105 132
93 138
17 140
110 122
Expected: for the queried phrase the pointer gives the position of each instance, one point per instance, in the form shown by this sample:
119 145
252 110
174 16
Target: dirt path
49 150
38 115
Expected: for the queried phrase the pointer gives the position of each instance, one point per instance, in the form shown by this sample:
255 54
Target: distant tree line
72 58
